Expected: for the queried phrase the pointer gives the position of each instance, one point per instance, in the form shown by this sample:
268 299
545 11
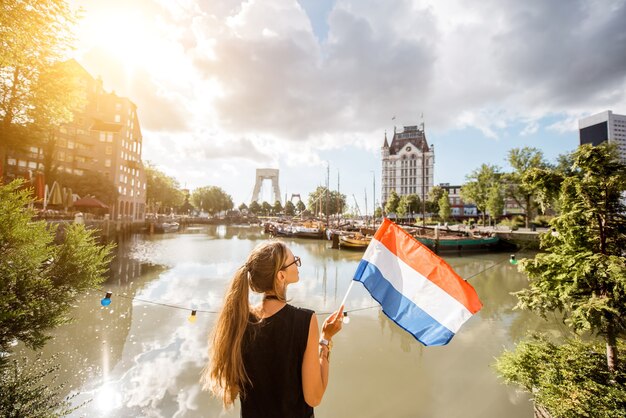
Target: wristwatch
327 343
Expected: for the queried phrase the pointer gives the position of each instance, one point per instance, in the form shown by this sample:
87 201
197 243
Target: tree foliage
444 206
277 209
211 199
29 389
254 207
522 160
39 280
266 208
495 201
408 204
583 271
568 380
162 191
434 196
290 208
393 200
90 183
327 202
581 274
478 185
35 90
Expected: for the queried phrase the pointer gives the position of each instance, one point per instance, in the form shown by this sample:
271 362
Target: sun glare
128 37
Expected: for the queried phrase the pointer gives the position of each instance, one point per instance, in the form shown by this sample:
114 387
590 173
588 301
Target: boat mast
374 203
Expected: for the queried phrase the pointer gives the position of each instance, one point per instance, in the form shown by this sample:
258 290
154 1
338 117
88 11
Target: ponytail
225 374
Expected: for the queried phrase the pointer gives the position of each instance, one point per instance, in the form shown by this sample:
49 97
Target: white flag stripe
429 297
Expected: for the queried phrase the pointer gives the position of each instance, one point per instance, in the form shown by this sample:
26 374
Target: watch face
408 149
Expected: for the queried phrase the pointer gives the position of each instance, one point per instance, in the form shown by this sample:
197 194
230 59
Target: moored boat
354 241
166 227
461 243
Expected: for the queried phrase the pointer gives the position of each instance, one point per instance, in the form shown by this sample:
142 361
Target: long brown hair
225 374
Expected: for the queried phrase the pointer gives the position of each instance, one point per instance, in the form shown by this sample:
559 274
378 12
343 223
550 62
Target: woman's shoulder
304 312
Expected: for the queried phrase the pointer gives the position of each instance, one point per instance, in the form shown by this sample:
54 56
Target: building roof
411 134
99 125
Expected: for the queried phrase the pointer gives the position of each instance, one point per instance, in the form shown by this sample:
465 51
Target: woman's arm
315 364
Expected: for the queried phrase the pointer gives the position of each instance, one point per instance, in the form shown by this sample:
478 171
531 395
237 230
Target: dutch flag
416 289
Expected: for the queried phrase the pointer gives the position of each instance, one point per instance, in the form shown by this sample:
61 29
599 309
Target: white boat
166 227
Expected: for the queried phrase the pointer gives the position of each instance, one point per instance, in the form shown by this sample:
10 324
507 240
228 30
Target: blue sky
224 87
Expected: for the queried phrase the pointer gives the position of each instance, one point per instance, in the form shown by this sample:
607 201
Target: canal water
142 357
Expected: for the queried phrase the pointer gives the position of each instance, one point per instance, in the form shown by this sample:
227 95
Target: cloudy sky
228 86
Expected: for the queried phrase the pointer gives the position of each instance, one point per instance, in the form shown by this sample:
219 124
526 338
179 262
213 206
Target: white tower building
408 164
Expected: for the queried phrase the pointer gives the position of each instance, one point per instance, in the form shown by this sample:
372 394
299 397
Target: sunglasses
296 261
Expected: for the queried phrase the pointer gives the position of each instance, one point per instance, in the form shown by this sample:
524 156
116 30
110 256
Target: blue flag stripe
400 309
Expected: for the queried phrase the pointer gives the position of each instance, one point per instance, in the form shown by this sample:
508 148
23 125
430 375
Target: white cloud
250 80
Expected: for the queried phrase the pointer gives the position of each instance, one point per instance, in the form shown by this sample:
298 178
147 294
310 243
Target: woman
270 355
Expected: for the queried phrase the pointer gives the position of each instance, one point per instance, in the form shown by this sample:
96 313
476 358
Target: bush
569 380
29 389
514 223
542 220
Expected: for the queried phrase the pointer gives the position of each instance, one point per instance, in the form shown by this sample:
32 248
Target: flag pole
343 302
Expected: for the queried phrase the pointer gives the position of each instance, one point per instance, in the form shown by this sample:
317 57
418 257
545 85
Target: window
79 172
62 143
12 161
108 150
109 136
103 137
32 164
69 158
70 144
107 162
117 118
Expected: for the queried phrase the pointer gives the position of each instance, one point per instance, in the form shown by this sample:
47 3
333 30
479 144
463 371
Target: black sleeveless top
273 351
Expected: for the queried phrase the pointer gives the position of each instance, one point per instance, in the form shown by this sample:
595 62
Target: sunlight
107 398
130 38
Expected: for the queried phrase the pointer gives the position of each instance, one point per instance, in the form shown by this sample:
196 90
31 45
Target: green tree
378 213
266 208
300 206
322 199
408 204
479 182
392 202
254 207
522 160
162 191
34 89
211 199
27 390
277 209
495 202
90 183
444 206
434 196
39 284
582 273
243 207
290 209
568 380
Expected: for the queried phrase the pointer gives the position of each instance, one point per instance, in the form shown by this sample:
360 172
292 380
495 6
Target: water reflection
136 358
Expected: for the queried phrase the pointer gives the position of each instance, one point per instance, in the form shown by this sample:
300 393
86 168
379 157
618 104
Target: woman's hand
332 325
